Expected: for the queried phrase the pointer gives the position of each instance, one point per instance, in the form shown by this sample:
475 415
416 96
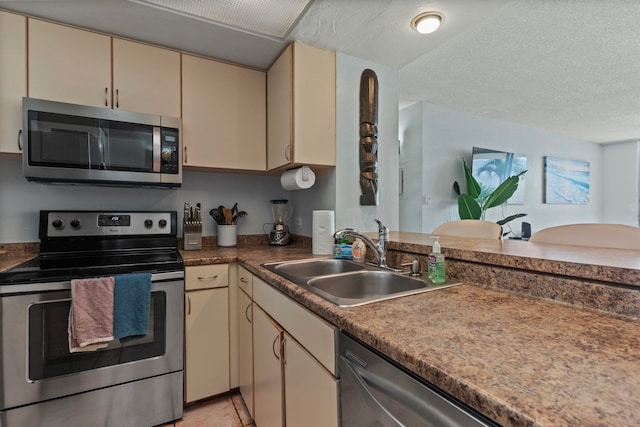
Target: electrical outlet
298 222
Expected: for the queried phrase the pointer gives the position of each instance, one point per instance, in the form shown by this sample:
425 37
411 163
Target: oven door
36 362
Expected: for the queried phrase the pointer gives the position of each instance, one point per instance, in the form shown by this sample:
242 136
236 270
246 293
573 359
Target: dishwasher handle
357 375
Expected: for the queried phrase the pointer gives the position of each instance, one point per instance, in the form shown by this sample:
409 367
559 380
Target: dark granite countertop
521 361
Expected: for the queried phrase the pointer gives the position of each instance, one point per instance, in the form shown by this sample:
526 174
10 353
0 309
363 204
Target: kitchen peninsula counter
519 360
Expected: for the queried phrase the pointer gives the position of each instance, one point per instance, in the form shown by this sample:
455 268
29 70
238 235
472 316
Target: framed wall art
566 181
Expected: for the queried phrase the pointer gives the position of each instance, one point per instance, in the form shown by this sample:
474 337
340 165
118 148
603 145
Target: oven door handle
30 288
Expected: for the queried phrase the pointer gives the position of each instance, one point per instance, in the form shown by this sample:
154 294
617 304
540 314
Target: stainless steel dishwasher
375 392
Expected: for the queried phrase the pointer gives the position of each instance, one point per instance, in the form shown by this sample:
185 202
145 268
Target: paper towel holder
306 175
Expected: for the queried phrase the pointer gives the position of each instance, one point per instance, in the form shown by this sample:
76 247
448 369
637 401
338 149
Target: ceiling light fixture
427 23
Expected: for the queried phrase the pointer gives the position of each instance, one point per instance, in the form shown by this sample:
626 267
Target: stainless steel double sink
349 284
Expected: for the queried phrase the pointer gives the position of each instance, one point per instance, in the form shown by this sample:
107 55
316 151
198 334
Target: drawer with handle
206 277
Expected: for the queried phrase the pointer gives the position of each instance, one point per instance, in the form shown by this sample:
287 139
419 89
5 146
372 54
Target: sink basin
348 284
352 289
313 267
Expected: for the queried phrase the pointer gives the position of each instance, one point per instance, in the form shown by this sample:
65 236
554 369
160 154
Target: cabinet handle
208 277
106 100
117 98
185 154
20 139
244 280
287 150
246 312
273 347
189 304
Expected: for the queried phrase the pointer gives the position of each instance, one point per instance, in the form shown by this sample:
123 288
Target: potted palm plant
473 204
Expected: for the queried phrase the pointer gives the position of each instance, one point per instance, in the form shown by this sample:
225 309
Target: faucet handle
381 227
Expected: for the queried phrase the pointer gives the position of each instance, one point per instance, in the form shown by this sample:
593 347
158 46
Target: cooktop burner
78 244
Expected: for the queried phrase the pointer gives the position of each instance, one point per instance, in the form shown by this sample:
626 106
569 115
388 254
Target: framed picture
492 167
566 181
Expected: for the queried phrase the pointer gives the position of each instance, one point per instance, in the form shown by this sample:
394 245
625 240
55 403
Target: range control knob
162 223
57 224
75 223
148 223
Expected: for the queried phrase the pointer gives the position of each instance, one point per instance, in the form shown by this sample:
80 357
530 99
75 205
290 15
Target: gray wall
20 200
448 136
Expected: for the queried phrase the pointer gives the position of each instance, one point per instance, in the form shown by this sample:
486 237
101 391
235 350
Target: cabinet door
68 64
146 78
279 110
311 397
314 111
245 349
13 84
206 343
267 371
223 115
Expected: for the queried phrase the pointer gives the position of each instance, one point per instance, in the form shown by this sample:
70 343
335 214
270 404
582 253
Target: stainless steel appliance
281 210
67 143
137 382
376 392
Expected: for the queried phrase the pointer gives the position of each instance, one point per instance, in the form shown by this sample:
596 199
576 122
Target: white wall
21 201
411 200
621 187
448 137
349 213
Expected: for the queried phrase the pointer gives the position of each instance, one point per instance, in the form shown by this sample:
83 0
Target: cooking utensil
227 216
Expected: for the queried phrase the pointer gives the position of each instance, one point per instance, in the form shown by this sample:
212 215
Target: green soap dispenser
436 266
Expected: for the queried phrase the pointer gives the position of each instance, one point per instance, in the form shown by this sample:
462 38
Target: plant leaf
503 192
468 208
510 218
473 187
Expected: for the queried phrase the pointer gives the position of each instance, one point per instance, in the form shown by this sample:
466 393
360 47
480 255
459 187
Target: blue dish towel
131 301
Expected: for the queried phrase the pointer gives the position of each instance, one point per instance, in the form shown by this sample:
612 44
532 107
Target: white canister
227 235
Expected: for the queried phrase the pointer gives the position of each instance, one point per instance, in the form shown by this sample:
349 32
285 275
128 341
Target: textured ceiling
566 66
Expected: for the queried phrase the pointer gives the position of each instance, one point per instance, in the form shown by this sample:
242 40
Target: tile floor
227 410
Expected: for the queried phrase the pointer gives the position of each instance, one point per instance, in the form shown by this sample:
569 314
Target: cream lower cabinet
206 331
245 349
13 83
267 371
311 391
294 362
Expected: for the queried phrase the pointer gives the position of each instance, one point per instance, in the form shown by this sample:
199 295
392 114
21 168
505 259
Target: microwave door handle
157 146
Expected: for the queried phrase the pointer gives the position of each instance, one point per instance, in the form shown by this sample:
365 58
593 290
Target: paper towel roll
298 179
322 232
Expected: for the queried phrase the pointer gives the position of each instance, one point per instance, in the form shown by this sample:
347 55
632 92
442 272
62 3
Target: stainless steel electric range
138 382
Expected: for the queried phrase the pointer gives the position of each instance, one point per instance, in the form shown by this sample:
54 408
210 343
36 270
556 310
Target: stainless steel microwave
68 143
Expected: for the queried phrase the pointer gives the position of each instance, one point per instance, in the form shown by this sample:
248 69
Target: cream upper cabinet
267 371
311 397
301 108
13 84
223 115
68 64
146 78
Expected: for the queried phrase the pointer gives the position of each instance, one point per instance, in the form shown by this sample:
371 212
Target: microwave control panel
170 151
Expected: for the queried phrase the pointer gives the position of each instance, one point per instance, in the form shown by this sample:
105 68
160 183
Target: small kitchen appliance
281 210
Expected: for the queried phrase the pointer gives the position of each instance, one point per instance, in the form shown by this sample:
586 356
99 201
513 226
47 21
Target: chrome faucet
380 248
